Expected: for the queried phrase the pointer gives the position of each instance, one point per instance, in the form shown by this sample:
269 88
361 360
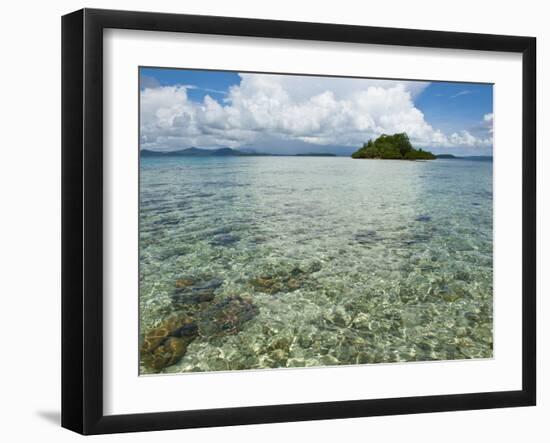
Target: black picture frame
82 218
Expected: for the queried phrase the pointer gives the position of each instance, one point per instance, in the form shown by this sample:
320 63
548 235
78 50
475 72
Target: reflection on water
270 262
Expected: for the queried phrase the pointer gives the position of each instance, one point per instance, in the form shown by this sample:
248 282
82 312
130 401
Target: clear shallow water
308 261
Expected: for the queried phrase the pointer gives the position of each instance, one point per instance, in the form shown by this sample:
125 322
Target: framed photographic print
269 221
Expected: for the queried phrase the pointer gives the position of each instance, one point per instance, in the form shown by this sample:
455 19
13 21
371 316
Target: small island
392 147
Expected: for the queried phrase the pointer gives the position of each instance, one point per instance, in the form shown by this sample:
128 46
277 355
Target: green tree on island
392 147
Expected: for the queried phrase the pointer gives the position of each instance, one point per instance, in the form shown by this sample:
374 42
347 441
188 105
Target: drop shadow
53 417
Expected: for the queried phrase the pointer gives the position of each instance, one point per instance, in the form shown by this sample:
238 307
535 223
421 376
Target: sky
289 114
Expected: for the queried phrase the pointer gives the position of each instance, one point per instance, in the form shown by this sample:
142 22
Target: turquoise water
308 261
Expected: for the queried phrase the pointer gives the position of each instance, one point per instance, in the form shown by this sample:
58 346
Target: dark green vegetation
392 147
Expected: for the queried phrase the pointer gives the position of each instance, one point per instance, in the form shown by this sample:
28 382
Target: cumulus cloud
488 121
312 110
465 138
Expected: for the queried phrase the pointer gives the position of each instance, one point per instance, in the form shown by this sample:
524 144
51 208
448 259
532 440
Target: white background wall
30 219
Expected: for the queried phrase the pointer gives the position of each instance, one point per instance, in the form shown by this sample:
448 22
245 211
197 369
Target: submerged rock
273 284
188 291
187 330
167 354
314 267
184 282
267 284
339 317
154 337
416 238
194 297
257 239
226 317
366 237
224 239
423 218
166 344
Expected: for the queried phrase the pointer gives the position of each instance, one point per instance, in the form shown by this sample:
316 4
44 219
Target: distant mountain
149 153
222 152
445 156
479 158
191 152
195 152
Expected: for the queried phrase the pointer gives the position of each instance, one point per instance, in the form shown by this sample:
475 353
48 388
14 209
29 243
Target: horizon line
287 155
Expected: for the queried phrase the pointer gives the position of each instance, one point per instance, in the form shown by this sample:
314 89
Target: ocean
279 262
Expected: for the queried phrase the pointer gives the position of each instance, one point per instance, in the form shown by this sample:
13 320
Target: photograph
301 220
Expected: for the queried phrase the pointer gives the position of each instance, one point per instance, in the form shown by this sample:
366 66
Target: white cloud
488 122
195 87
464 138
323 111
458 94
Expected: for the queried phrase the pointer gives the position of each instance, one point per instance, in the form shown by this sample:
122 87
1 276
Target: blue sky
455 106
213 83
289 114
